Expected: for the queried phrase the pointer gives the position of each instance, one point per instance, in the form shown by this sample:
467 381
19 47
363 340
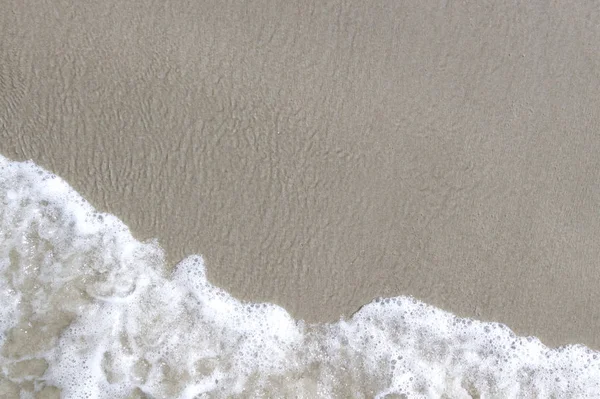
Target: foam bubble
87 311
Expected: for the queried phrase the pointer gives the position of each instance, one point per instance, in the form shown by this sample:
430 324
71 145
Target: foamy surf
87 311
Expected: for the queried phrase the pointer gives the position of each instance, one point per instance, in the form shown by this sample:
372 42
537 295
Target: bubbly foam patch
87 311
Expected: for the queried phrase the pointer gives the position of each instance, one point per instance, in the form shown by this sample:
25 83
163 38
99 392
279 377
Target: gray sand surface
321 154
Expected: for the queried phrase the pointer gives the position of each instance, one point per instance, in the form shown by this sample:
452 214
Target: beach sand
321 154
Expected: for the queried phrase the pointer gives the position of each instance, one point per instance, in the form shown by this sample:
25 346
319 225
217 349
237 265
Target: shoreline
319 158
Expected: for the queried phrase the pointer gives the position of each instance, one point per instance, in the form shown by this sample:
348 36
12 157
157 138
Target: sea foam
87 311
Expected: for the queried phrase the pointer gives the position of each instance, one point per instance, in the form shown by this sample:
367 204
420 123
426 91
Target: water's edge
88 311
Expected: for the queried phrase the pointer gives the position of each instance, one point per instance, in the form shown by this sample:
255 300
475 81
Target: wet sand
322 154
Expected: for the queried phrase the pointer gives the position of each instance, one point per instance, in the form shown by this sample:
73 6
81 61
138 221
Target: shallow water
87 311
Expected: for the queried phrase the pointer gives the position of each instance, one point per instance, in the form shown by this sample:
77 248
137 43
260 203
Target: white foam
87 309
